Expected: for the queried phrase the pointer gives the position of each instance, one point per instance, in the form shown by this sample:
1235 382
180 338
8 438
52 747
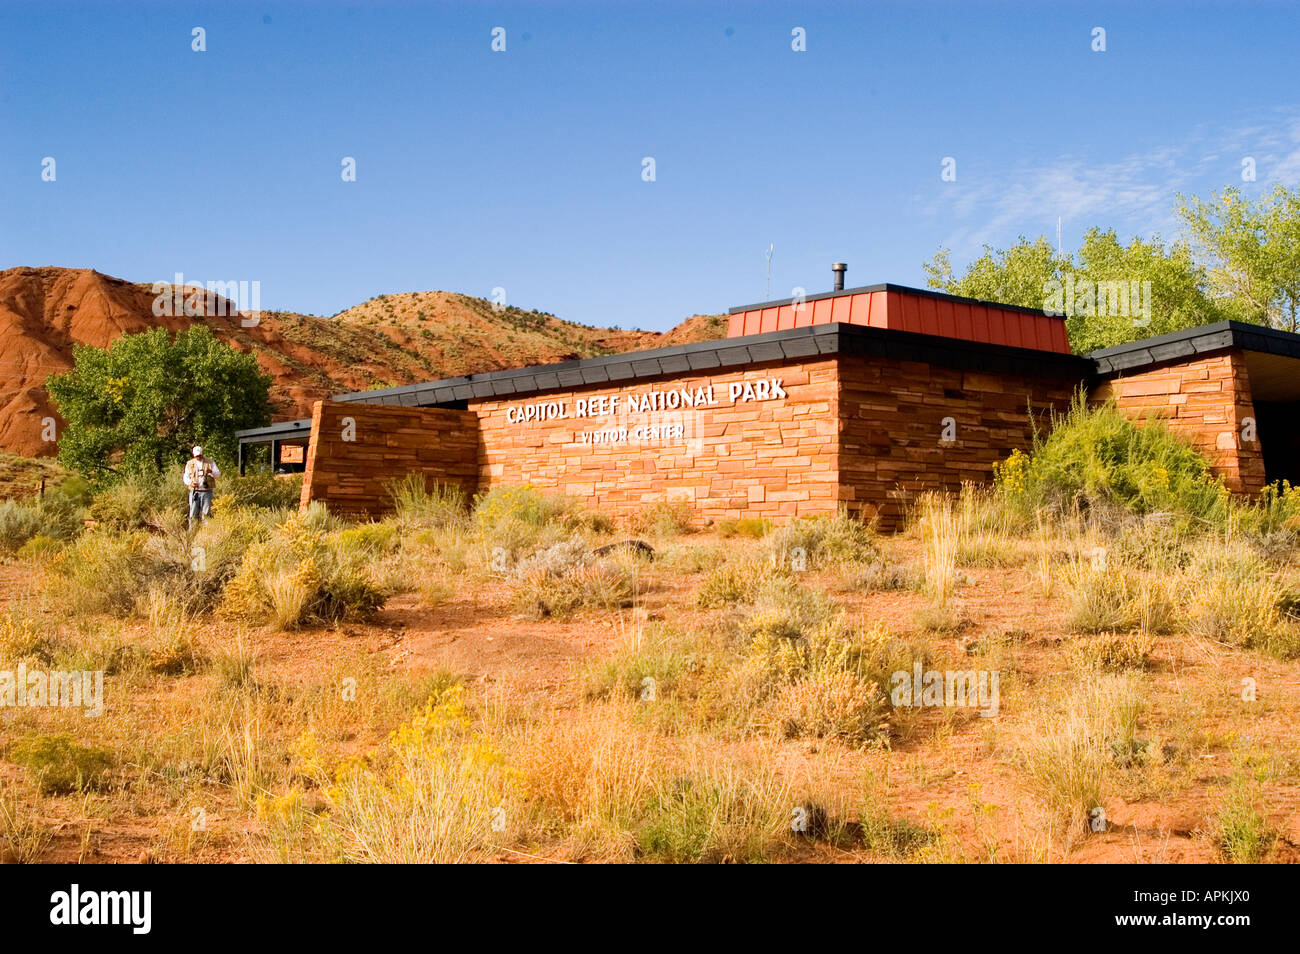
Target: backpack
193 470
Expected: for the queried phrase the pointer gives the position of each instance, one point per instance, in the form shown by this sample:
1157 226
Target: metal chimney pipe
838 269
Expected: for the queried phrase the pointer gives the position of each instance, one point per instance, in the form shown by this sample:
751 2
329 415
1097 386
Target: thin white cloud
1134 194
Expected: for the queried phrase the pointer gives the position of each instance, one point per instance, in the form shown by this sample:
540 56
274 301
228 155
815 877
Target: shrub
554 560
25 635
188 572
755 528
816 672
23 521
509 521
131 502
892 837
419 503
733 582
1234 597
259 491
440 795
367 539
103 572
59 766
819 541
831 704
39 547
1094 457
662 518
19 522
505 505
602 584
1274 513
301 574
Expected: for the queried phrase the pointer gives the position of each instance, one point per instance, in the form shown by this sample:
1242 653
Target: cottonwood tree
1181 292
1253 249
141 403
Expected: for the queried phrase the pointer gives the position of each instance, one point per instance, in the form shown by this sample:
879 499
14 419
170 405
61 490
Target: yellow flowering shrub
438 791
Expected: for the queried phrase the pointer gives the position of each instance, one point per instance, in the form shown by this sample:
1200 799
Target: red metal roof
909 309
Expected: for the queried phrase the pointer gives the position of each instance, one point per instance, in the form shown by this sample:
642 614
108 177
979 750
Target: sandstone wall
356 449
755 456
896 416
1207 401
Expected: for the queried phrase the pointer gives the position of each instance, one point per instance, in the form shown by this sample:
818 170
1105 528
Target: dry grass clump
809 543
1071 755
605 789
302 573
439 792
721 812
1113 597
939 527
736 581
567 577
587 779
419 502
1239 830
648 667
24 836
986 528
877 577
604 584
1116 652
690 559
662 518
1233 597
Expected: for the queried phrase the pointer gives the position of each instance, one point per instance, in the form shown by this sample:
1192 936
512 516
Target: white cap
198 451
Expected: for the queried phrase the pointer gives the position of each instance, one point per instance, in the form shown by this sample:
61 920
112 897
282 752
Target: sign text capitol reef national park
665 407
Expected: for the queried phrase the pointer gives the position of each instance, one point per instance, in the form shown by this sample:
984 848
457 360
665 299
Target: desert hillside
391 339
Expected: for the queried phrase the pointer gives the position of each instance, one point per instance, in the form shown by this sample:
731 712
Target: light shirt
195 470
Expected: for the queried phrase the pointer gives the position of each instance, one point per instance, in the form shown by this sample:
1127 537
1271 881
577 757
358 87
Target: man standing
200 477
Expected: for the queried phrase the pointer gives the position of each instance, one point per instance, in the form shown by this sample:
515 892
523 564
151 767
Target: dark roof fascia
791 344
257 435
1191 342
890 286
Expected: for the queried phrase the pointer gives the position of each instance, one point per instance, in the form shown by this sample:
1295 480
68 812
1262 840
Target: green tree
1179 294
1013 276
1031 274
1253 249
138 405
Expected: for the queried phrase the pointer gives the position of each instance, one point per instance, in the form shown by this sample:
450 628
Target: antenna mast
767 287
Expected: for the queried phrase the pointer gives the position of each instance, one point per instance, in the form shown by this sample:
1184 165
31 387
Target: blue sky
523 169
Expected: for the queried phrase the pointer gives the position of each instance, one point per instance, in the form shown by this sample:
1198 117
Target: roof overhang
723 354
1272 356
